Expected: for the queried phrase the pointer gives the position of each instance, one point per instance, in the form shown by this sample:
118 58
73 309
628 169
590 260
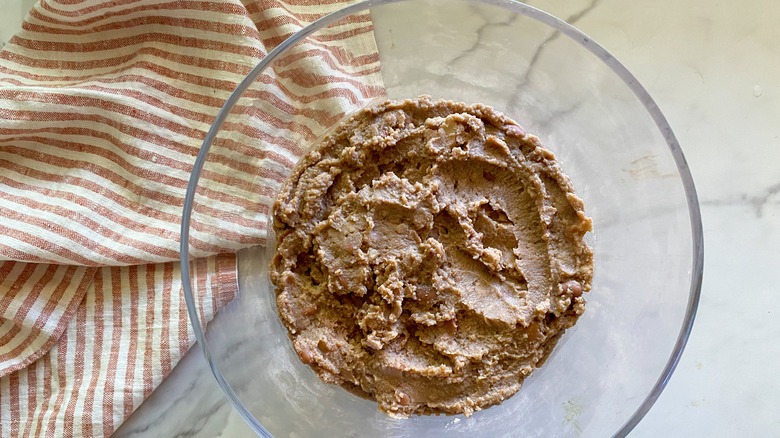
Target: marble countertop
713 68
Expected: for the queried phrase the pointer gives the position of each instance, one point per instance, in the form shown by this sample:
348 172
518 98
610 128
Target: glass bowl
608 134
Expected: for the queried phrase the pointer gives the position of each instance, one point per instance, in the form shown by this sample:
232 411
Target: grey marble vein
757 202
543 124
197 426
571 19
487 24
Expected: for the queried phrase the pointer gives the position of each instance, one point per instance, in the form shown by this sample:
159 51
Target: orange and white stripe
125 337
37 302
117 139
104 105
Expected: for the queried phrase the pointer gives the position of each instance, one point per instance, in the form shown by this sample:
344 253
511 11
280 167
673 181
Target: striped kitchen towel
103 106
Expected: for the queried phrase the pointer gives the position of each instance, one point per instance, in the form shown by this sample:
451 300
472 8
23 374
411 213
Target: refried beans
429 255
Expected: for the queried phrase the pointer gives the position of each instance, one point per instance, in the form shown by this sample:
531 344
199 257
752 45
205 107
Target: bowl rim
559 25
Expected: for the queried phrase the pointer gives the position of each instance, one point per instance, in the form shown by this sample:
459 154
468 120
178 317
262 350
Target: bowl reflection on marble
611 139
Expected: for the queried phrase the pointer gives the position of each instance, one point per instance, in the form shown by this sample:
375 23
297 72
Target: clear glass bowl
611 139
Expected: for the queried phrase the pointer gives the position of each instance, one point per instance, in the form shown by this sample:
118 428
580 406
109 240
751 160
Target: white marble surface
714 69
12 16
